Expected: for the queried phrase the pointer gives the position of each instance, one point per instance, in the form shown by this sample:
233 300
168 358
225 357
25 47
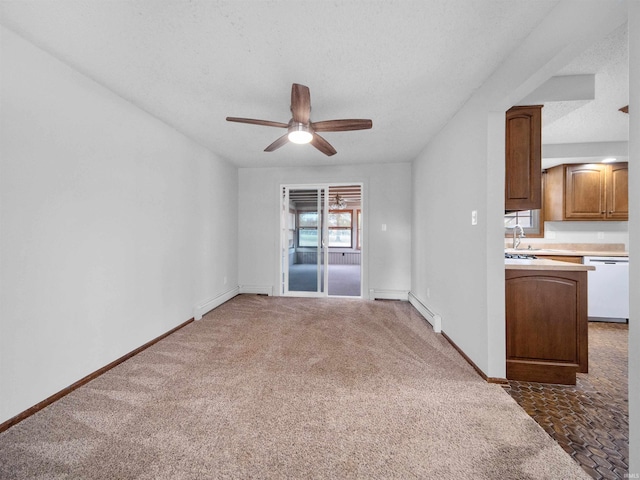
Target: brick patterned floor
590 420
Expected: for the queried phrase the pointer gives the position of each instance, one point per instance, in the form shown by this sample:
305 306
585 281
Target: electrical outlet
428 292
600 235
384 227
224 280
474 217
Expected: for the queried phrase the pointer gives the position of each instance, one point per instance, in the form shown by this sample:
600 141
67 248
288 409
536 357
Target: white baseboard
430 316
388 294
257 289
209 305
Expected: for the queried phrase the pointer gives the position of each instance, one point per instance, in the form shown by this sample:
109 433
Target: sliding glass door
304 245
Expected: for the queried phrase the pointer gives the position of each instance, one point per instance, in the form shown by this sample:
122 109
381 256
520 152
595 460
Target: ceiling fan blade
253 121
278 143
342 125
300 103
322 145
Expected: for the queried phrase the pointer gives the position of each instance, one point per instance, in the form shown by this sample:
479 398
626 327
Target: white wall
458 269
634 239
386 200
113 226
449 254
585 232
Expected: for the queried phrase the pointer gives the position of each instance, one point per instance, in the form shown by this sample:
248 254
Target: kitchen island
546 320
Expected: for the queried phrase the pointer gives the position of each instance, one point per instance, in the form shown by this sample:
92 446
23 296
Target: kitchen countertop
540 264
569 253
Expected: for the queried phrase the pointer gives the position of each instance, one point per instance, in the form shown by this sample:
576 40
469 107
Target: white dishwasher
608 287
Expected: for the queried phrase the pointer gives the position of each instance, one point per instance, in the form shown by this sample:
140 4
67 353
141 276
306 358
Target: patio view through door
304 249
321 240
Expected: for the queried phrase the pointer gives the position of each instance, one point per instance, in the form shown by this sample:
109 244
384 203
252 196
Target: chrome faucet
518 233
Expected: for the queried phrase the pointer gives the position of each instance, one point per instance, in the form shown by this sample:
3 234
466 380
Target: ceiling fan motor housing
300 129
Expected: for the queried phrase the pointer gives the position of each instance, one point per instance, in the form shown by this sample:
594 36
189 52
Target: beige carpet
267 387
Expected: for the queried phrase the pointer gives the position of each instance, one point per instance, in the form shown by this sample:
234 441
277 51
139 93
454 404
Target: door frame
283 283
323 246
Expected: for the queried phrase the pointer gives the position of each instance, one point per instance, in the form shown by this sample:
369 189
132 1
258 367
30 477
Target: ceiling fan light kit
300 134
301 129
339 203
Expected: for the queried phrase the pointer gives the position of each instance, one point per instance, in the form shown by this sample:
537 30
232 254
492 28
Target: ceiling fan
301 129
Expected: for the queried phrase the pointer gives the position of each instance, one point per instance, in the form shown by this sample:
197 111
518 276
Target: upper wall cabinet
523 169
618 191
587 192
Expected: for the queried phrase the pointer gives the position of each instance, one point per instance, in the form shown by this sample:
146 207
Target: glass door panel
304 251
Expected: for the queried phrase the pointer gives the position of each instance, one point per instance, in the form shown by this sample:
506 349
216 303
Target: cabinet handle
610 212
603 212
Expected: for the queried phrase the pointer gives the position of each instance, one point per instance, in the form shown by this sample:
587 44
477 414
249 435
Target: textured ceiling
597 120
407 65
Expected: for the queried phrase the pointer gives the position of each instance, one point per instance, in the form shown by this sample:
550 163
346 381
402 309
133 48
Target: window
529 220
308 229
340 228
340 231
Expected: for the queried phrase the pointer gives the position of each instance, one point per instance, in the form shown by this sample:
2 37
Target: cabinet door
523 181
618 191
546 325
585 192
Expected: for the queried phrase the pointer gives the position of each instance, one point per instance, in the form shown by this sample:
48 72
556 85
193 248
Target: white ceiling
596 121
407 65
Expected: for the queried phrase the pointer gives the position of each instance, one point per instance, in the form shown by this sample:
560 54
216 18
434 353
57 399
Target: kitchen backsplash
538 243
587 232
580 233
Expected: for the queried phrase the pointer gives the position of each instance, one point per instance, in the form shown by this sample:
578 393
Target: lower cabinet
546 325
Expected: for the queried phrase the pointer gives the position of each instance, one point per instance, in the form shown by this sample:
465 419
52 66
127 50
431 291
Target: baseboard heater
209 305
433 318
388 294
256 289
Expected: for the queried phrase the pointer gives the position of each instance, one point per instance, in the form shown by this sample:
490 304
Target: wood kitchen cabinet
618 192
523 155
592 191
546 325
561 258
